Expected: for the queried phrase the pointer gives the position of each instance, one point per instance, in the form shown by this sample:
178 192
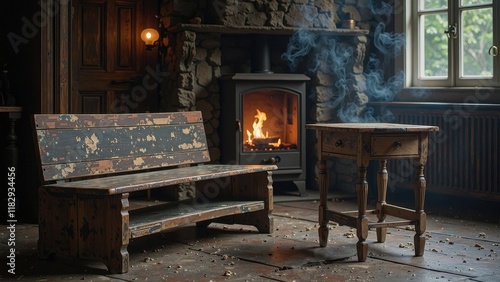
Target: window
453 43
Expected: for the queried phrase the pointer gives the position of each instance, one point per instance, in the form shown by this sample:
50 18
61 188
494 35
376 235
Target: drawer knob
339 143
398 144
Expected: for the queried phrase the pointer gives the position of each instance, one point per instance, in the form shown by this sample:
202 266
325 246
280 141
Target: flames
258 124
258 132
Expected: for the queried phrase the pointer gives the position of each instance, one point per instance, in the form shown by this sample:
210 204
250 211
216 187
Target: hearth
262 122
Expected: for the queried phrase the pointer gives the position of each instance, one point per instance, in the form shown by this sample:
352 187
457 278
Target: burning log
265 140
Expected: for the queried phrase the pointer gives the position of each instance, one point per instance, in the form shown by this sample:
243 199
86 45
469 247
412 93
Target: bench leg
243 187
103 230
255 186
57 224
88 227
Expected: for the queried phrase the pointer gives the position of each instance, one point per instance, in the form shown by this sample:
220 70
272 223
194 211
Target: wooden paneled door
111 69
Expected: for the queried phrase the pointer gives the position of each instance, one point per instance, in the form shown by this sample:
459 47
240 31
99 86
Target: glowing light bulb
150 36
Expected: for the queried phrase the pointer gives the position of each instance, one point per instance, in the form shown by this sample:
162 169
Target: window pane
434 48
476 39
475 2
433 4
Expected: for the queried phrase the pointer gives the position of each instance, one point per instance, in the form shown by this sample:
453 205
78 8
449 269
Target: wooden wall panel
93 102
92 32
126 37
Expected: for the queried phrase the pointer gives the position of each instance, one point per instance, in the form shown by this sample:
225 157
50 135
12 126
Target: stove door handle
272 160
238 124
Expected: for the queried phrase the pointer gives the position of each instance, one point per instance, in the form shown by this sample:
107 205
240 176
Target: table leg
362 221
323 190
382 179
11 151
420 186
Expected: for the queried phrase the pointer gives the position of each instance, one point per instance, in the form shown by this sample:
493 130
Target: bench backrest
82 145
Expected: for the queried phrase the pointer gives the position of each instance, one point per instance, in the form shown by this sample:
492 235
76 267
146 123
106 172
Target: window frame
409 24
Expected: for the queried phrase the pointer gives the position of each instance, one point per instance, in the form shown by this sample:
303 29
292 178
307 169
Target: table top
372 127
5 109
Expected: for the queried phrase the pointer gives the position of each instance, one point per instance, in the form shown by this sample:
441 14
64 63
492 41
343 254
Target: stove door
270 121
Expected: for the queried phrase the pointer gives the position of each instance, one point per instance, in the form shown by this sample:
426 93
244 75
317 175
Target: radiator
463 157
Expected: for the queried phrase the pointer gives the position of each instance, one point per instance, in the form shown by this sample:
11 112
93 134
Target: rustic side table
373 141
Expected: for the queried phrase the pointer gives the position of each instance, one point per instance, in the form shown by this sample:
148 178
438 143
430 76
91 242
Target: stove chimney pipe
261 55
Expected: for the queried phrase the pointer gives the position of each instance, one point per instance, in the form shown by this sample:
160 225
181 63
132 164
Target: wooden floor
460 247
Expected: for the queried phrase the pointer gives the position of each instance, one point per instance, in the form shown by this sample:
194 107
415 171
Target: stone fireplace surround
209 39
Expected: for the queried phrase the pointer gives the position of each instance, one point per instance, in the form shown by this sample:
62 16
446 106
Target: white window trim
404 21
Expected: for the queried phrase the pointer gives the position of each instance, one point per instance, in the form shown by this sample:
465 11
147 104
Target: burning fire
258 132
258 124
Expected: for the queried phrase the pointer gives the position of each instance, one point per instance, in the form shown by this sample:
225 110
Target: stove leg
301 186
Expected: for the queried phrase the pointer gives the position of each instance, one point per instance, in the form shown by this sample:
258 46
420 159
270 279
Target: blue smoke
331 55
388 43
379 8
323 54
376 86
339 57
299 46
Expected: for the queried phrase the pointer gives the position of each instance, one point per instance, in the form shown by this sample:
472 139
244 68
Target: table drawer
395 145
341 143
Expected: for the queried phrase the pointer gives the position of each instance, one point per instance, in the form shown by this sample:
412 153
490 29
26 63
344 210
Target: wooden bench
91 163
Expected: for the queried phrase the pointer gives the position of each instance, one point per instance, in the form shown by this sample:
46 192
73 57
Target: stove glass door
270 121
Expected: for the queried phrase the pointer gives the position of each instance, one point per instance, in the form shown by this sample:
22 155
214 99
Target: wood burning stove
262 122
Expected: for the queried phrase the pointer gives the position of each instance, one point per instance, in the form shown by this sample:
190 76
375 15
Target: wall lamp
153 37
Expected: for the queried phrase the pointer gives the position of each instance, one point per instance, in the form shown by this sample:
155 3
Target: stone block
360 83
324 113
206 109
185 56
201 92
257 19
204 73
276 18
201 54
324 79
246 8
187 99
235 20
215 57
323 94
294 17
326 21
361 98
185 80
325 6
272 6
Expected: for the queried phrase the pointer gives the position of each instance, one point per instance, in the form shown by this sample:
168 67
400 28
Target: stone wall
196 59
278 13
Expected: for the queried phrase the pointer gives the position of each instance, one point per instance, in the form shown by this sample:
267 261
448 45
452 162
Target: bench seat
127 183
